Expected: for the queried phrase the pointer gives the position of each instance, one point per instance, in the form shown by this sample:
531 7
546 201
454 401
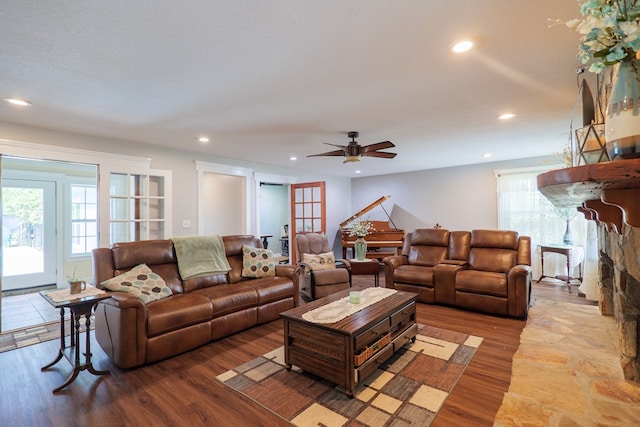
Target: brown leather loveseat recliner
481 270
200 309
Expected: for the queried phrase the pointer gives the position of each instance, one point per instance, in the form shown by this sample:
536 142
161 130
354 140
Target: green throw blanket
200 256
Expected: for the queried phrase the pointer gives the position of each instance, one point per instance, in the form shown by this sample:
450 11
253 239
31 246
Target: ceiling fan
353 151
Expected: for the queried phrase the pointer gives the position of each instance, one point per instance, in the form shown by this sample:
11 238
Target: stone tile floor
28 319
25 310
567 372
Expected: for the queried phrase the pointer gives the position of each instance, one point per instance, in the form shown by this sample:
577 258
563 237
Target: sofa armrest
519 290
292 272
286 270
303 268
120 329
444 282
390 264
343 263
123 300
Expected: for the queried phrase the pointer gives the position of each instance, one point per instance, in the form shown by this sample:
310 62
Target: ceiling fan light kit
353 152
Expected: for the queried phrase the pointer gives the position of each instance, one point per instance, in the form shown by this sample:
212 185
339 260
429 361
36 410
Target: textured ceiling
269 79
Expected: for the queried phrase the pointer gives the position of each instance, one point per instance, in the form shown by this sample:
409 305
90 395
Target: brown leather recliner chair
319 280
412 271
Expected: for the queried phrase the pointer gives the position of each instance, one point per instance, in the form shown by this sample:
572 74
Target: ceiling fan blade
329 153
380 154
378 146
344 147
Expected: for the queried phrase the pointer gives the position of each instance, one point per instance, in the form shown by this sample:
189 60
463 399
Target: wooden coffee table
347 351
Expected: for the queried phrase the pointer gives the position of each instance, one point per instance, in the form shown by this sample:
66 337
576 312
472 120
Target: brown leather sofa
200 310
481 270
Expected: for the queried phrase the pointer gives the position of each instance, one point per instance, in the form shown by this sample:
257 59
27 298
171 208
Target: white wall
457 198
231 189
182 163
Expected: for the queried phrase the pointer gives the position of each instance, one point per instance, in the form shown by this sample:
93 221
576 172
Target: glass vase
360 248
622 125
567 239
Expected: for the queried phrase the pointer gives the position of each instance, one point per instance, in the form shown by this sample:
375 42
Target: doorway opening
48 232
274 219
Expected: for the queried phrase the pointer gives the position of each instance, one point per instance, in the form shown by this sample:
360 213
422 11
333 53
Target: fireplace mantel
605 192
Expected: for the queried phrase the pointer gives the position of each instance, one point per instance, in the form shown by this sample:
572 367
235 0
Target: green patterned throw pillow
141 282
257 262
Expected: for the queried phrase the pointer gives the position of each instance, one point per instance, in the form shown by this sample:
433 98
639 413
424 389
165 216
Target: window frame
68 216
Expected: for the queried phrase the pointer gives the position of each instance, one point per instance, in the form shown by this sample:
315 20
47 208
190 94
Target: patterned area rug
408 390
19 338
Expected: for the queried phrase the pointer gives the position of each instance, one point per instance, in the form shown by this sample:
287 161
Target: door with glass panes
307 212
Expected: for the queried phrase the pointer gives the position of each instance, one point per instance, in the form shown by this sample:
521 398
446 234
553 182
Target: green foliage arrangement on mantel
610 32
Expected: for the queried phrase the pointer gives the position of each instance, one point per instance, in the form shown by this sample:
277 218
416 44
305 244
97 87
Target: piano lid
361 212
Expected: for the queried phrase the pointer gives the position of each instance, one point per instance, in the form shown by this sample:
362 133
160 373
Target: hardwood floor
183 391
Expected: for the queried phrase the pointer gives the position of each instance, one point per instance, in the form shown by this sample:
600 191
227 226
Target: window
84 219
522 208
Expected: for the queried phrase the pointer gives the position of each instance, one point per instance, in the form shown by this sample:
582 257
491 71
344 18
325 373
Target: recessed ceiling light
462 46
358 171
486 155
293 158
506 116
17 101
203 139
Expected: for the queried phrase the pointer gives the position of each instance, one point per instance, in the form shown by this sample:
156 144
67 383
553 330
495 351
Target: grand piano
385 241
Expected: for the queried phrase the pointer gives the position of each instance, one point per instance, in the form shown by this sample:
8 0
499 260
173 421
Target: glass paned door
307 211
28 233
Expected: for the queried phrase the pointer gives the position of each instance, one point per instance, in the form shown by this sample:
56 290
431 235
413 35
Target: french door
307 212
29 255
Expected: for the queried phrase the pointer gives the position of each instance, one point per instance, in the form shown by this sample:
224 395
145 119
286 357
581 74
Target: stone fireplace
609 193
619 281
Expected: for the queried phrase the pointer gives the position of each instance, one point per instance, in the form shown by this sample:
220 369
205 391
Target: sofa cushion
229 298
324 261
177 312
129 254
271 289
430 237
414 274
427 246
203 282
141 282
427 255
257 262
482 282
503 239
490 259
